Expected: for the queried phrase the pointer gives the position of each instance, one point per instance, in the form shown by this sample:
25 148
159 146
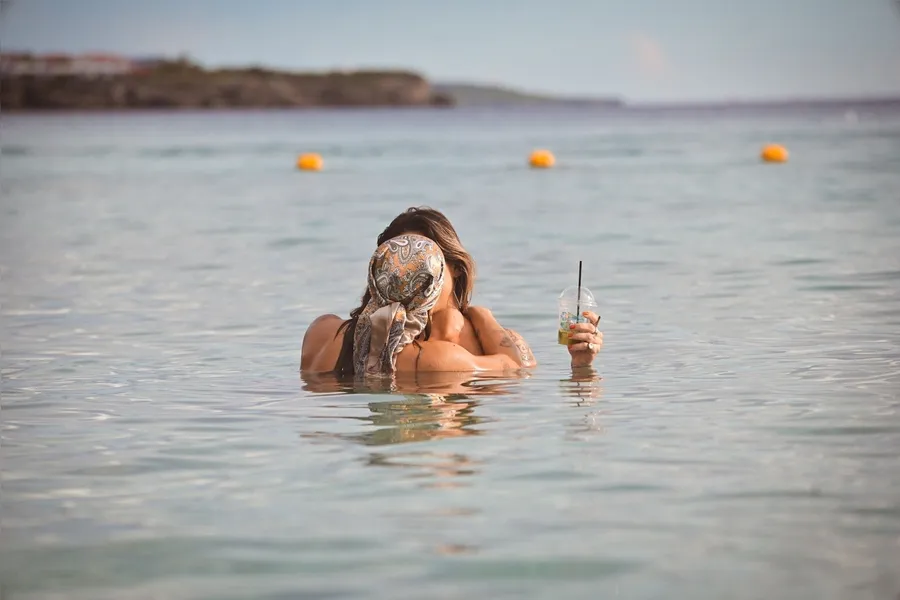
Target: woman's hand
585 340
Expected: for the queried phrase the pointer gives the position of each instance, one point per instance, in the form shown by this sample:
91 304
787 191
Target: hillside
181 84
466 94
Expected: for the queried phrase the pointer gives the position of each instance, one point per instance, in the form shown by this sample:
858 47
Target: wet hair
434 225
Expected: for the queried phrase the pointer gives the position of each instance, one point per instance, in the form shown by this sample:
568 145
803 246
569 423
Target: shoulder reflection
419 407
470 384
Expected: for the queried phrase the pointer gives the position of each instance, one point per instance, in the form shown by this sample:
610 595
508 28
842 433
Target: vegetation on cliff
469 94
183 84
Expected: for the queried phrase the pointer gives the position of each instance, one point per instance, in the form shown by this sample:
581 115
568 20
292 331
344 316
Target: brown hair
435 226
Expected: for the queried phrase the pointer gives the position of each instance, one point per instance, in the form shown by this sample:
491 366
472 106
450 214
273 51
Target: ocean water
739 437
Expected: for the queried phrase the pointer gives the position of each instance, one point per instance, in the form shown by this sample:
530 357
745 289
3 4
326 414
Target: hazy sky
640 49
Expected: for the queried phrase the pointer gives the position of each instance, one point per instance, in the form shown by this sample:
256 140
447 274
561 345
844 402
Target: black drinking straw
578 301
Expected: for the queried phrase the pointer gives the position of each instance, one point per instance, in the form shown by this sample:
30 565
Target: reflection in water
418 408
584 386
418 418
442 469
447 384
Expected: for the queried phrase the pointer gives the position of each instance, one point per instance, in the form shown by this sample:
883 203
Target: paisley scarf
406 274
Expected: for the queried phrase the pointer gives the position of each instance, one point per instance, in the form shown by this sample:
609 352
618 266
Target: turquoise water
739 438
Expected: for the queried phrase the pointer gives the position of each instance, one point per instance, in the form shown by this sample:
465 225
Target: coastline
842 105
180 85
183 86
110 83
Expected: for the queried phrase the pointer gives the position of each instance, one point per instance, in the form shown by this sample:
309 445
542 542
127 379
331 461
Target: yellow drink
571 307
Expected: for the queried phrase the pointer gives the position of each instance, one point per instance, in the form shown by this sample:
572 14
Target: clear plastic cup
570 308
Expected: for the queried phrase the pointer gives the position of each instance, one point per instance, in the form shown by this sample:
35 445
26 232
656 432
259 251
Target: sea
738 436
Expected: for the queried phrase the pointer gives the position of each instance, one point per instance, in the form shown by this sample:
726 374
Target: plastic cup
570 308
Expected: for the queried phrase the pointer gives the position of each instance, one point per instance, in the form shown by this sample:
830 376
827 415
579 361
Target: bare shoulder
320 343
322 326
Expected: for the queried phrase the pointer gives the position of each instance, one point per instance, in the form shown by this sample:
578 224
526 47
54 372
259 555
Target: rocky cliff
181 84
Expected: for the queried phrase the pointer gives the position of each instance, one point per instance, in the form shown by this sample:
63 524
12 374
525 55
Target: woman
451 319
409 281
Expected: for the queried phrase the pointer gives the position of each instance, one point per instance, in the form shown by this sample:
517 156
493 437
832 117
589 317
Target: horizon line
551 96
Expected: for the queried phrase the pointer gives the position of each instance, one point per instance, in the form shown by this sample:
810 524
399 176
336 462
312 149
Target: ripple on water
738 438
130 563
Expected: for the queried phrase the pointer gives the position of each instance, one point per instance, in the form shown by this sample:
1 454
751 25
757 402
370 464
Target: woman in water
417 305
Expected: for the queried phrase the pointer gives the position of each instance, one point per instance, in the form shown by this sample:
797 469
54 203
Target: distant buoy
309 162
774 153
541 159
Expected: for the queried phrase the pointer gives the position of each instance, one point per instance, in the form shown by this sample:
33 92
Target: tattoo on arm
514 339
507 338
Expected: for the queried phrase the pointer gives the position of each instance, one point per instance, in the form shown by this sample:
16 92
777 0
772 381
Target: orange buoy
541 159
309 162
774 153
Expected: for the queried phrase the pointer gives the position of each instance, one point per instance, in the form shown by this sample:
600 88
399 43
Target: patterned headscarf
406 274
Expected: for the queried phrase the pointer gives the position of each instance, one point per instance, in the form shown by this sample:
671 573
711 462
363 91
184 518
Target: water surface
739 437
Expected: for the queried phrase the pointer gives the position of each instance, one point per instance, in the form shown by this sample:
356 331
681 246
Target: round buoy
541 159
309 162
774 153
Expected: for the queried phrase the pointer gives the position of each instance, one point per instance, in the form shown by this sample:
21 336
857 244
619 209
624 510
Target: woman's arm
497 340
441 356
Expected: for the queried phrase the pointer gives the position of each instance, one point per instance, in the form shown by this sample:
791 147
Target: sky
641 50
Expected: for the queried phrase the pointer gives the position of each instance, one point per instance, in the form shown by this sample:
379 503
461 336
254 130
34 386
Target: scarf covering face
406 274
